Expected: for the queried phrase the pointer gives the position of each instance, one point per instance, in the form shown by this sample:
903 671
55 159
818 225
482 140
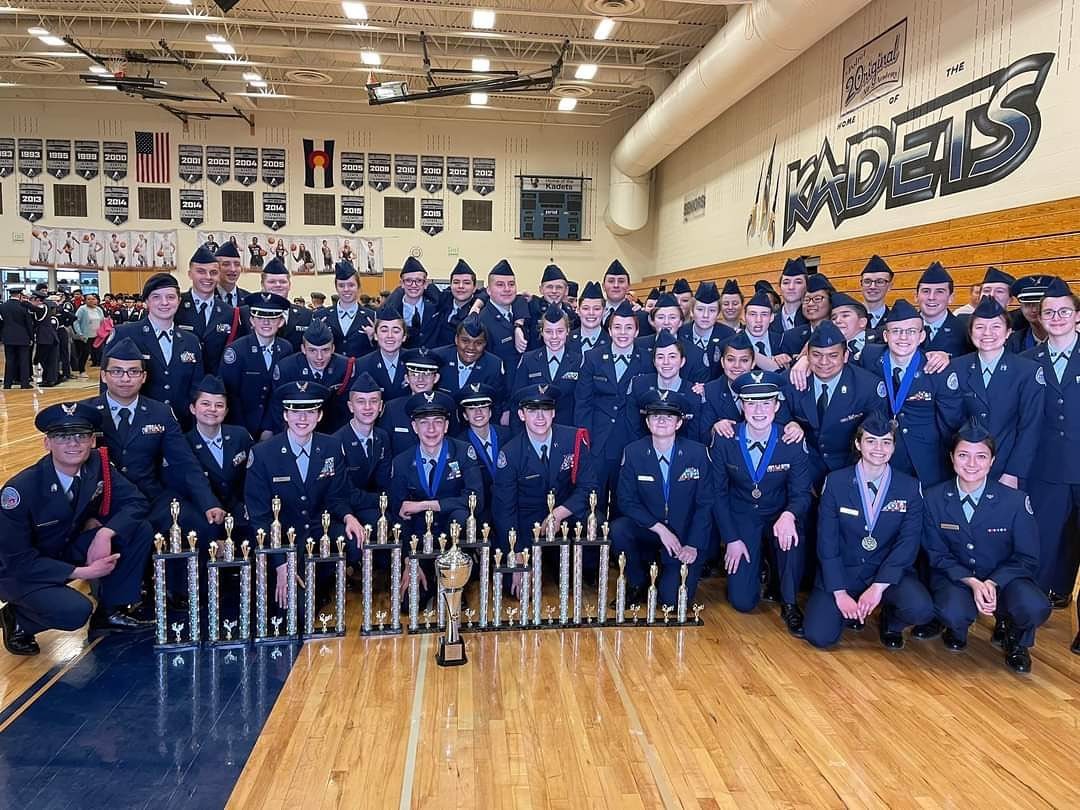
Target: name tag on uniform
844 510
47 524
282 479
950 526
530 477
647 478
401 430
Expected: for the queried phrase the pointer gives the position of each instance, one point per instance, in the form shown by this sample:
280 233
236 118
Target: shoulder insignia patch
9 498
881 389
500 463
470 451
251 457
276 373
229 356
953 383
1027 505
1040 376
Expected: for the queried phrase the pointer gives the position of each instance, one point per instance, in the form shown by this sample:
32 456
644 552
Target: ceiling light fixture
215 38
257 83
370 58
478 99
55 42
480 64
179 2
98 69
483 18
567 104
225 48
354 11
37 32
585 72
252 77
604 28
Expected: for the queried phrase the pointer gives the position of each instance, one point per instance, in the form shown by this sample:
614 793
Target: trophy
452 571
536 577
264 555
214 567
312 563
482 548
384 543
190 559
602 544
429 537
650 597
578 576
551 539
680 602
620 591
496 590
423 549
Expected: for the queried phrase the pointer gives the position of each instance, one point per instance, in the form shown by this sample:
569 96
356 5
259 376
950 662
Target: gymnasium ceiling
309 53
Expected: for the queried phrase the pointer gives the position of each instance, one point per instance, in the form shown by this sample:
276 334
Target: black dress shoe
927 631
121 618
1059 601
16 640
1076 644
891 639
793 618
952 642
1018 659
854 624
1000 634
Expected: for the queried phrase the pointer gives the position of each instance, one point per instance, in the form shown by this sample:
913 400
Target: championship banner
87 159
30 150
114 159
431 216
352 212
378 170
190 156
431 173
192 207
218 163
405 172
116 204
352 170
483 175
31 201
245 164
273 167
58 158
457 174
7 156
273 209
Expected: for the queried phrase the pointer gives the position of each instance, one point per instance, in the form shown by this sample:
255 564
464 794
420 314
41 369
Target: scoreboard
551 207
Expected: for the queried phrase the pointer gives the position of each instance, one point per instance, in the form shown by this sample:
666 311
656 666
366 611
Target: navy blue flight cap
995 276
707 293
794 267
462 269
571 289
318 334
1055 288
765 286
760 299
665 300
476 394
680 287
302 395
624 310
502 268
840 299
988 308
740 341
1031 289
388 312
364 384
818 282
757 385
664 402
935 274
825 335
731 287
344 270
554 314
552 273
902 310
421 359
68 417
203 255
654 293
592 291
275 267
266 304
665 339
125 349
472 326
973 431
160 281
431 403
413 265
616 269
537 396
227 251
210 384
877 265
878 424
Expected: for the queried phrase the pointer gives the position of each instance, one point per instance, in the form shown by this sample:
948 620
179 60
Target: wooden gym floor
733 714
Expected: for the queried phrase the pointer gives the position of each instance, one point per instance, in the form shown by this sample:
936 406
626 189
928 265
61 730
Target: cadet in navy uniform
553 289
307 471
616 284
669 365
220 449
437 475
458 302
875 281
762 490
1028 330
505 316
204 314
467 362
1055 474
852 319
317 362
666 316
926 407
229 271
983 545
703 337
544 458
384 364
590 331
665 498
421 375
276 280
174 360
476 403
555 362
793 280
367 450
933 294
69 516
348 322
1002 391
47 337
870 522
17 334
248 365
418 303
765 340
816 308
834 401
602 395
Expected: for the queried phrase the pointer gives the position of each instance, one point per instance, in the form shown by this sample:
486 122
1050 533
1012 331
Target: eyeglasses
912 332
875 282
119 373
71 438
1064 313
412 282
815 299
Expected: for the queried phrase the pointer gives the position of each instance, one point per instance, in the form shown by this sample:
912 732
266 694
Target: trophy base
230 642
318 635
385 631
178 645
451 655
269 640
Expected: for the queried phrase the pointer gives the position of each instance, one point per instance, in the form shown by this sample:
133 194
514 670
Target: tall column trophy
452 571
478 544
237 630
264 556
549 537
383 542
190 558
422 549
326 558
596 536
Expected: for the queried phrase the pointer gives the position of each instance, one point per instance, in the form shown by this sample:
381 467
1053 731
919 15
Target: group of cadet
897 459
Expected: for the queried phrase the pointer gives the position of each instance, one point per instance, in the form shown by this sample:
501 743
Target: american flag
151 157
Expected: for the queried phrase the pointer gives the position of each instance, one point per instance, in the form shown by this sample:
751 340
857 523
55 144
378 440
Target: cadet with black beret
203 313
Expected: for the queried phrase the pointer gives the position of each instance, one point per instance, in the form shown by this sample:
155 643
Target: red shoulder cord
580 438
106 482
235 326
343 385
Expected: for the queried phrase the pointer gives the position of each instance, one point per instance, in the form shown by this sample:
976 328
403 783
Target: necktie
756 450
870 485
664 467
268 355
123 427
463 373
987 374
165 341
201 306
215 447
345 316
853 346
621 369
897 376
822 403
366 443
302 463
73 490
760 347
215 443
487 449
431 475
554 361
969 507
391 369
230 299
415 319
586 342
543 455
701 344
1059 361
317 375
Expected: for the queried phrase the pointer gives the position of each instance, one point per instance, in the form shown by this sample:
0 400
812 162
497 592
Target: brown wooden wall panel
1039 238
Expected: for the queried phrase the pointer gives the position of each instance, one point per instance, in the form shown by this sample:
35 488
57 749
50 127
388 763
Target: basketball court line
414 726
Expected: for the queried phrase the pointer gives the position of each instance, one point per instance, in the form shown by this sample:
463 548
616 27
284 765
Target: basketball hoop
117 66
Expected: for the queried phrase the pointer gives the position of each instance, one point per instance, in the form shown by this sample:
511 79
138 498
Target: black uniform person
17 334
47 338
69 516
366 448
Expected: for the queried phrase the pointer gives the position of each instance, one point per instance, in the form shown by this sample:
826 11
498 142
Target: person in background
731 305
973 301
875 281
88 320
